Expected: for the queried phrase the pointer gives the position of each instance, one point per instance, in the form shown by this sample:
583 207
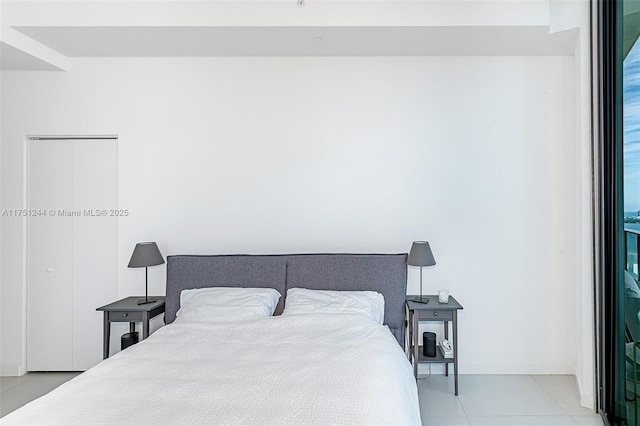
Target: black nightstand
433 311
128 310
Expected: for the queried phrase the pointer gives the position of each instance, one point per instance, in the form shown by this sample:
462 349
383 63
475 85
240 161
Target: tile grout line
457 398
568 414
528 415
548 392
463 409
552 397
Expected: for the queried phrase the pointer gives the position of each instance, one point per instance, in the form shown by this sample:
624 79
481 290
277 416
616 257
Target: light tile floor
495 400
17 391
488 400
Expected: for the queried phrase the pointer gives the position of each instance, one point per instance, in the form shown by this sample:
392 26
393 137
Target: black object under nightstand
432 311
128 310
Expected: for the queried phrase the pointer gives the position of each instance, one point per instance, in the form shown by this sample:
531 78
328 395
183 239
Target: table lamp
420 255
145 255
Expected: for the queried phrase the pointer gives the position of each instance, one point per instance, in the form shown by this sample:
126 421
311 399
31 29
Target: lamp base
145 301
419 299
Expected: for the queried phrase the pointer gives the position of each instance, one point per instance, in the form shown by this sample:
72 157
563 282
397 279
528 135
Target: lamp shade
145 254
420 254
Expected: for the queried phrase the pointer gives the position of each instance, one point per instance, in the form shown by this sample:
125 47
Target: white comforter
295 370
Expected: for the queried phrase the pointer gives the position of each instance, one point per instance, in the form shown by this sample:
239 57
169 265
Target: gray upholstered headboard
384 273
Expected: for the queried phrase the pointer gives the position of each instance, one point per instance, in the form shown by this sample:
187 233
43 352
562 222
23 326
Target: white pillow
226 304
305 301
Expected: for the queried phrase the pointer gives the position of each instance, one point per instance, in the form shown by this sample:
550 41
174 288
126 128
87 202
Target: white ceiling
300 41
16 59
63 29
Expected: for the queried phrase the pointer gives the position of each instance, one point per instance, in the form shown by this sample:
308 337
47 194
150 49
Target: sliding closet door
49 258
95 245
72 250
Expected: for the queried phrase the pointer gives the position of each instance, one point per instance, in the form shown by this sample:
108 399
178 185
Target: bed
312 368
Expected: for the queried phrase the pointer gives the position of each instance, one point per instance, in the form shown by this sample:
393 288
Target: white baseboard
587 401
587 398
11 370
529 369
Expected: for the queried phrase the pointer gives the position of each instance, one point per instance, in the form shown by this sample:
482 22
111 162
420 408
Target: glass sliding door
619 210
631 205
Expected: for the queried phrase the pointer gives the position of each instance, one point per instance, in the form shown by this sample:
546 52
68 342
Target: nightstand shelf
438 359
433 311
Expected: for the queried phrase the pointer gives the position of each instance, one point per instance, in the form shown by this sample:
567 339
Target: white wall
568 15
282 155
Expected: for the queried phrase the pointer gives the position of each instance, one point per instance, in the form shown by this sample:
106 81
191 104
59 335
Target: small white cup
443 296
